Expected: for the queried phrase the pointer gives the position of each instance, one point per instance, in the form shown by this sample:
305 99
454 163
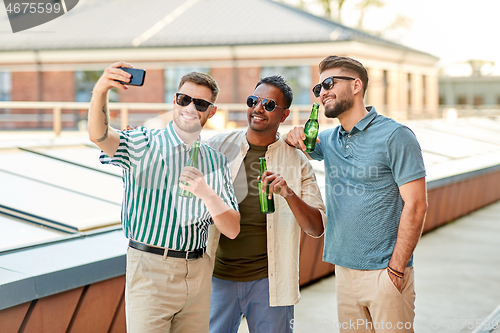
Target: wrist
208 195
394 272
98 91
289 194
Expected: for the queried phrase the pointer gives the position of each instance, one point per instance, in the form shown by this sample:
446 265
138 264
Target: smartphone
137 78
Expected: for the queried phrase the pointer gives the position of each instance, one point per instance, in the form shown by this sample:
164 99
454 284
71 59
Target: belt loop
165 254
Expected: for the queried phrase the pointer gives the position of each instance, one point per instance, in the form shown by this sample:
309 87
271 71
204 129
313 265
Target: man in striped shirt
168 278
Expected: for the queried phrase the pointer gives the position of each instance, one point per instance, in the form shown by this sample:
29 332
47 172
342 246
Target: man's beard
339 107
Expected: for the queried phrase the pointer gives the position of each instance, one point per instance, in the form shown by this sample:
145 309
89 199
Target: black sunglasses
184 100
268 104
328 84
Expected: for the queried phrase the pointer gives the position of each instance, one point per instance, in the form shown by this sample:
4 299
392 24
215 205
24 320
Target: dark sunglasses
268 104
328 84
184 100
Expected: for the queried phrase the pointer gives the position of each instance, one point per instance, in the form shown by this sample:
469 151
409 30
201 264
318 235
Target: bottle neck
194 153
314 113
263 166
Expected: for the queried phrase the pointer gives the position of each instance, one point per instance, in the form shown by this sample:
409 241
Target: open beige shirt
283 231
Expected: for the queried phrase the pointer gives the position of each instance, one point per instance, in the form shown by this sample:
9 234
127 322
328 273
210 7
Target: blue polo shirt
364 169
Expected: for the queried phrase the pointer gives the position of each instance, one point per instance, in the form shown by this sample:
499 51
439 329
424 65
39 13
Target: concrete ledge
41 271
461 177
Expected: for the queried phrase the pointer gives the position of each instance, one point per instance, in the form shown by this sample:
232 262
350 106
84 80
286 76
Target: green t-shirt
245 257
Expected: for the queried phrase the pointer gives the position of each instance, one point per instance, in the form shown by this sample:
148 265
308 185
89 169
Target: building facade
216 37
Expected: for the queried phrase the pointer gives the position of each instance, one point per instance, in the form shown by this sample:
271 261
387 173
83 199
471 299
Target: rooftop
457 269
58 199
175 23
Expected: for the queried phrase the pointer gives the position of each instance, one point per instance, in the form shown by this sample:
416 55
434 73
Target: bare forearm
309 218
410 229
99 130
98 124
228 223
226 219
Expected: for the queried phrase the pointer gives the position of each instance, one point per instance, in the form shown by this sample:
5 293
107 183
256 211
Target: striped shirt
152 211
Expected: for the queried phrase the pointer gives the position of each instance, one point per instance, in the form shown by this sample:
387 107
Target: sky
453 30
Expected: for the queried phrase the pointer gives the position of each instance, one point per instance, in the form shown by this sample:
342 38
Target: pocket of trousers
391 284
133 263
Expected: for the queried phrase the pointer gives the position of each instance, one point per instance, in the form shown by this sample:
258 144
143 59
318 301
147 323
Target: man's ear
212 111
285 115
358 86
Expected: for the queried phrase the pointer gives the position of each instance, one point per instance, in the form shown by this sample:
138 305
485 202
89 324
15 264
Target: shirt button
349 136
347 146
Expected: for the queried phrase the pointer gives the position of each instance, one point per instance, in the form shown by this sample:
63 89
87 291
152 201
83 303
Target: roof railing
229 115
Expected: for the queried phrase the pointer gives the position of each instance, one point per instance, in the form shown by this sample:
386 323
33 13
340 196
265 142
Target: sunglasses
268 104
184 100
328 83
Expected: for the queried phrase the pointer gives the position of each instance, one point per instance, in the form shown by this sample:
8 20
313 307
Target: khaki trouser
165 294
368 301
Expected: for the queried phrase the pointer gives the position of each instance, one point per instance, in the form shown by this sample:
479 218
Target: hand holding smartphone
137 78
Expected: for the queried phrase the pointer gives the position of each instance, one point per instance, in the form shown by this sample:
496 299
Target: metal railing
231 112
234 113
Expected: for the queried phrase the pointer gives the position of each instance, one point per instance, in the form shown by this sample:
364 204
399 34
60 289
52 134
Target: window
5 86
442 100
297 77
461 100
84 83
173 76
478 100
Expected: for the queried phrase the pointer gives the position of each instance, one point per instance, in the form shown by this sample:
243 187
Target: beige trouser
368 301
165 294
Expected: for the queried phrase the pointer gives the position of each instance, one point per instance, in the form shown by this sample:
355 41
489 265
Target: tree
363 6
396 30
328 7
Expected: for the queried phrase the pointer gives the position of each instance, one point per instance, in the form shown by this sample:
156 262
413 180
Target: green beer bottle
193 161
266 204
311 129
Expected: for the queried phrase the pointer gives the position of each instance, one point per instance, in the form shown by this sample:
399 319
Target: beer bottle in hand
311 129
193 161
266 204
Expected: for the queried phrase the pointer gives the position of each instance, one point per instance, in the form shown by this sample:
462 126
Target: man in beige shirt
257 273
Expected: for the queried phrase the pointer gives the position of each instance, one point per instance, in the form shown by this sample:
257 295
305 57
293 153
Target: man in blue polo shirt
375 199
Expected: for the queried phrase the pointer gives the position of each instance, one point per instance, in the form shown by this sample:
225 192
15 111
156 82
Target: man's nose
323 91
191 107
259 107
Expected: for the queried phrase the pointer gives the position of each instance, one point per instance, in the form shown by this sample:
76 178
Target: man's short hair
201 79
347 64
279 82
